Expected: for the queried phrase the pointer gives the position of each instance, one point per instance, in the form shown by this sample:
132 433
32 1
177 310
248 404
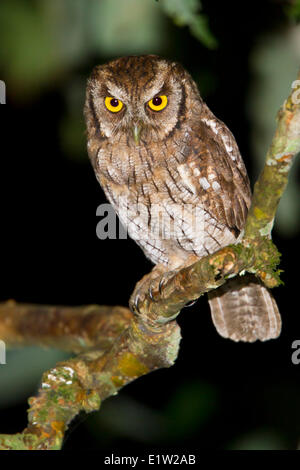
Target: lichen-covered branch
81 383
274 177
116 346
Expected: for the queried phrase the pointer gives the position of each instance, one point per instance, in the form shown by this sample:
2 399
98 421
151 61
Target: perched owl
175 176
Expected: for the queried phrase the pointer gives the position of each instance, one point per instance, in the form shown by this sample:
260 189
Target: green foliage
42 41
27 49
293 11
186 13
124 27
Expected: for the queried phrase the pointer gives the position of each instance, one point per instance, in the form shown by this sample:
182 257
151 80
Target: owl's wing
218 174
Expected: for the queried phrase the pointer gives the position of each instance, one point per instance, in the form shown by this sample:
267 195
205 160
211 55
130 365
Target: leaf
201 31
186 13
182 11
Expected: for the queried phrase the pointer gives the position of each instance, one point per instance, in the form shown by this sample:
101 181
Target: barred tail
243 309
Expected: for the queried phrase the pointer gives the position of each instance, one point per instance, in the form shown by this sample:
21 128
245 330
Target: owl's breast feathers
187 195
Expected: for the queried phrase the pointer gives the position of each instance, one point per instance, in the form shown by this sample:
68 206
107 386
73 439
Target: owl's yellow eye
158 103
113 104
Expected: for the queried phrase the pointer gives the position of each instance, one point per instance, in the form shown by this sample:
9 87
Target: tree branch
74 329
116 346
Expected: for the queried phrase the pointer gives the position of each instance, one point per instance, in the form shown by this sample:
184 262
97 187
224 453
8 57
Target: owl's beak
137 133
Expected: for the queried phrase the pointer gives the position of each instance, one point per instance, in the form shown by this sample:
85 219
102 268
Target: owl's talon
135 303
164 279
153 285
150 294
160 285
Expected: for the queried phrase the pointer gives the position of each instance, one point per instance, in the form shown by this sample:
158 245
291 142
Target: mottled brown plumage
175 177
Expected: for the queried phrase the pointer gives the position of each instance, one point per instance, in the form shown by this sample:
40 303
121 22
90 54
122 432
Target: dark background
218 395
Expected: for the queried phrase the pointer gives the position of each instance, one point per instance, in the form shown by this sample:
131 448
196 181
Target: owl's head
140 99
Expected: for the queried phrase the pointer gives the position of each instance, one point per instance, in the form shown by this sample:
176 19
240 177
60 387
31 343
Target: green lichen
130 366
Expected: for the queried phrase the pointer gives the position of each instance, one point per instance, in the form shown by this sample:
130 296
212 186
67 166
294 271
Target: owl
174 175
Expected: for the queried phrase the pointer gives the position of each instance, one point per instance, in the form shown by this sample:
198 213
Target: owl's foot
150 285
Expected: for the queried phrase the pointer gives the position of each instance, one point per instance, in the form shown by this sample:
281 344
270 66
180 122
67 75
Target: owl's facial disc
138 100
